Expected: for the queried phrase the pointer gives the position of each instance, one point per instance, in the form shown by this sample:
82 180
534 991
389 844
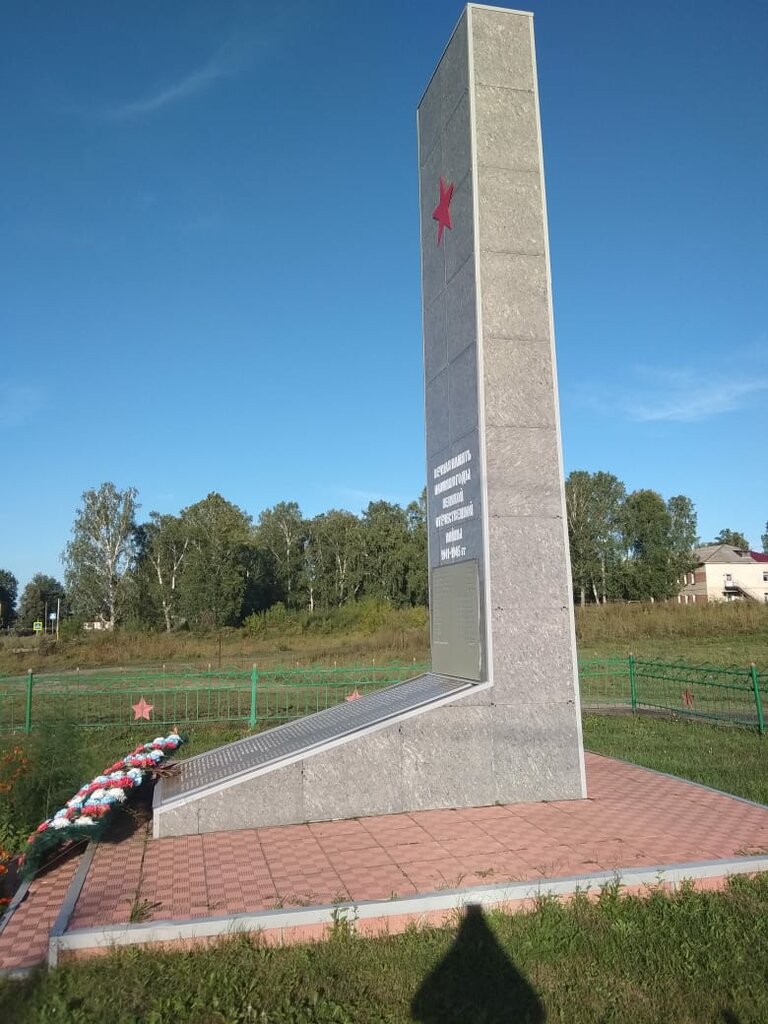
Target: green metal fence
255 698
262 698
728 695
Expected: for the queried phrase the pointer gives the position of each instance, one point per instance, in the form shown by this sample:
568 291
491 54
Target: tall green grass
363 632
689 958
733 633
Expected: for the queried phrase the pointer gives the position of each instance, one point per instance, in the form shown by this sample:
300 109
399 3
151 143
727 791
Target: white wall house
725 573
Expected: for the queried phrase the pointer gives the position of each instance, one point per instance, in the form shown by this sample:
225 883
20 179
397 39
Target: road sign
37 626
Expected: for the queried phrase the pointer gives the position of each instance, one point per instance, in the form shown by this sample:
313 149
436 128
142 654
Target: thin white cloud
194 84
249 40
241 49
685 397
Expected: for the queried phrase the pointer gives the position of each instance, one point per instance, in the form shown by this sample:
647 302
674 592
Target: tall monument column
497 719
500 589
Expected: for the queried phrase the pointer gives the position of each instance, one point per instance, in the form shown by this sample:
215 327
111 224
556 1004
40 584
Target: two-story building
725 573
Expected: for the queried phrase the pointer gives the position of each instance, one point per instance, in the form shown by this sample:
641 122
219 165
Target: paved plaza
384 872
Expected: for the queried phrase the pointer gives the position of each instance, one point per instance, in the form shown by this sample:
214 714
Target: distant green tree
682 533
386 543
9 589
213 585
593 505
417 573
333 559
165 540
733 538
40 595
649 570
99 558
282 532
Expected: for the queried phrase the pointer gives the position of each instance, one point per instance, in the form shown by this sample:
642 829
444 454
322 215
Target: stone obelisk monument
497 721
500 590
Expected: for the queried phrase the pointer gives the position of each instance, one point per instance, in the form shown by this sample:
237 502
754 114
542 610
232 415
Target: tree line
212 565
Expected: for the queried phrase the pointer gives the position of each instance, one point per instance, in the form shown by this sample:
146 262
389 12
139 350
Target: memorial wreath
90 810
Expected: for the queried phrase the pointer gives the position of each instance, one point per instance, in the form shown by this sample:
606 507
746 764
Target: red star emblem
141 710
442 212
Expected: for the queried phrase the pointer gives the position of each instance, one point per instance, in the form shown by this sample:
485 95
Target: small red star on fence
142 710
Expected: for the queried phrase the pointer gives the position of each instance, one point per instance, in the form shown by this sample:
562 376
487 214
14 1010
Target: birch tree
282 532
102 552
165 547
593 503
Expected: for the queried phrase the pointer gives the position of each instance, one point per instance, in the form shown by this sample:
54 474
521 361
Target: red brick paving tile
482 843
408 852
496 867
351 826
460 829
407 834
447 866
493 812
24 940
373 857
362 840
520 832
396 887
427 818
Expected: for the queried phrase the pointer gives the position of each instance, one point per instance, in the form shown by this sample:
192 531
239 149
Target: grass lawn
734 633
718 650
693 957
734 760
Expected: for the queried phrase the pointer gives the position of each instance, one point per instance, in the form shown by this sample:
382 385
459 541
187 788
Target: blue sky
210 268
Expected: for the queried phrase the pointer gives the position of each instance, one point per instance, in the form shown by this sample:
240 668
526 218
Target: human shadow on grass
476 982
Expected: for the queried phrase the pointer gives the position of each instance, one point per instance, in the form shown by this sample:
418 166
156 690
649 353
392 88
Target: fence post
758 699
632 683
254 680
28 708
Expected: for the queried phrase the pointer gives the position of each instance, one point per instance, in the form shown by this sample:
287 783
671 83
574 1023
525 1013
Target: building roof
719 553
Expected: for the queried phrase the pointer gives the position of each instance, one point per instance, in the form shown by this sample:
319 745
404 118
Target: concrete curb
59 926
427 903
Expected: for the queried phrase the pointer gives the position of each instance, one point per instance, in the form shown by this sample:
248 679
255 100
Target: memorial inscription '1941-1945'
452 488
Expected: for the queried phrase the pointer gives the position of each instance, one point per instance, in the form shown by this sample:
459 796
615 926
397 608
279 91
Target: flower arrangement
89 811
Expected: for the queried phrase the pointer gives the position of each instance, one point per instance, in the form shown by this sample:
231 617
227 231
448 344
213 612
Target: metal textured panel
455 603
305 735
